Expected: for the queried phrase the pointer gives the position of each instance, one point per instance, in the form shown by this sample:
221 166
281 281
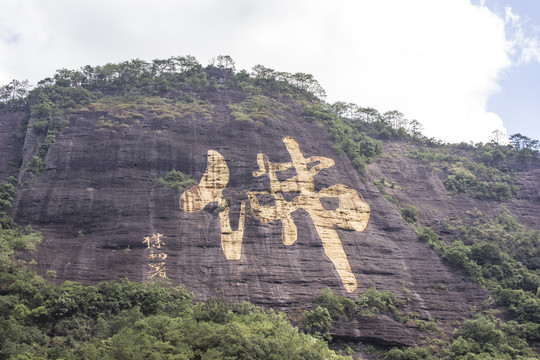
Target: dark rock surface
98 199
10 142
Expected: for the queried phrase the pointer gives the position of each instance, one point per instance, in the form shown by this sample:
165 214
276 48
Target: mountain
250 187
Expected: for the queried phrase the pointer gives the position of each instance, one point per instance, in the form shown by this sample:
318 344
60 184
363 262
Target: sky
462 68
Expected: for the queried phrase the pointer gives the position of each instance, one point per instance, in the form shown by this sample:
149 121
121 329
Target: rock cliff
275 214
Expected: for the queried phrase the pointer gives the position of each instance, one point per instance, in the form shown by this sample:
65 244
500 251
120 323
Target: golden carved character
154 241
146 241
352 213
161 256
209 189
158 269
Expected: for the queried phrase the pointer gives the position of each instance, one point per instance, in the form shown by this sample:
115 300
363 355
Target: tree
370 114
318 321
225 62
345 109
307 83
163 66
497 137
521 142
410 214
415 128
260 72
395 118
14 93
186 63
68 78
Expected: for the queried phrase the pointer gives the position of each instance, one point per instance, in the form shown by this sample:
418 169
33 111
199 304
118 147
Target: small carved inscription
156 255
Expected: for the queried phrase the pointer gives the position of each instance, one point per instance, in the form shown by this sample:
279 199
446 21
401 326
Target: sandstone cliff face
423 187
10 144
104 217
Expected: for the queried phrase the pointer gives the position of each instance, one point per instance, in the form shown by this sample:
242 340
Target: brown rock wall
97 200
10 143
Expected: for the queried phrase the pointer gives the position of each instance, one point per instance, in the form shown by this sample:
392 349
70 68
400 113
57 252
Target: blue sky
518 101
463 68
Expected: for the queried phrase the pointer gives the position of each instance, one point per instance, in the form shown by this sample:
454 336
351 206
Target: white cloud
531 50
524 44
436 61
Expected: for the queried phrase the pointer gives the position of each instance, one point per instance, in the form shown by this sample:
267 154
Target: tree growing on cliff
12 95
521 142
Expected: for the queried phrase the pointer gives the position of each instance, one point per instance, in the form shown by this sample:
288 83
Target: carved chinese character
352 213
146 241
161 256
209 190
154 241
158 269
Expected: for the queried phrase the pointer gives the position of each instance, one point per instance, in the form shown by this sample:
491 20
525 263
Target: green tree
318 321
410 214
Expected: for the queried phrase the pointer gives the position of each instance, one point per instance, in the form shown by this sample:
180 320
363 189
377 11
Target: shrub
337 306
176 179
35 165
372 302
40 127
410 214
318 321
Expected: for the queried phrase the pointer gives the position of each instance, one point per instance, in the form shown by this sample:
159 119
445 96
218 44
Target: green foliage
392 125
176 179
128 109
155 320
504 232
329 309
484 337
410 214
35 165
299 85
13 95
392 200
214 310
12 236
111 124
525 307
359 147
488 337
256 108
384 183
408 354
219 209
373 302
40 127
139 321
130 320
486 179
435 156
46 144
318 322
494 253
16 238
337 306
526 147
464 182
49 105
7 193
